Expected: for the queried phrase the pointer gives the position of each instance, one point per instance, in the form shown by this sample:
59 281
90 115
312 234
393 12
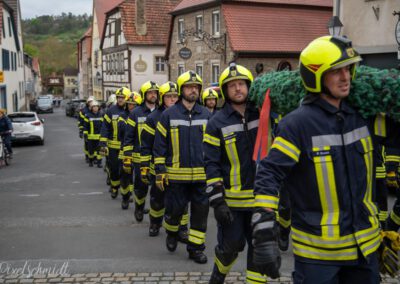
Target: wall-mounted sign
398 32
185 53
140 65
1 77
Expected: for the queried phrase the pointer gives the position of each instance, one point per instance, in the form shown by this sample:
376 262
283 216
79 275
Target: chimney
140 21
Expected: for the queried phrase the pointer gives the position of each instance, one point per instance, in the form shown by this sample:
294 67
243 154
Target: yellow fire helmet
3 110
323 54
168 88
148 86
209 93
234 72
134 98
122 92
189 77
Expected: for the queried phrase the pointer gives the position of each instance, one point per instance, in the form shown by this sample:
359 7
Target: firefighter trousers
157 207
140 188
232 239
393 221
177 198
85 146
114 164
93 152
366 272
126 183
381 200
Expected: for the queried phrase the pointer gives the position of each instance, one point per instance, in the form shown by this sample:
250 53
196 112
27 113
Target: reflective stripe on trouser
365 271
177 198
85 146
156 204
93 149
114 167
393 222
126 183
381 199
232 240
140 188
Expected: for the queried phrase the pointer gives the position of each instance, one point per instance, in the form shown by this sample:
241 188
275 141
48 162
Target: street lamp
334 26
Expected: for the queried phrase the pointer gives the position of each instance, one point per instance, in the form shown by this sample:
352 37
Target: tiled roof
184 4
272 28
188 4
157 19
320 3
102 7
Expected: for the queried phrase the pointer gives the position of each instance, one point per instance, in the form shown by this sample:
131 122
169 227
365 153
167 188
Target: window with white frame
215 23
199 69
199 24
159 62
181 29
214 72
181 68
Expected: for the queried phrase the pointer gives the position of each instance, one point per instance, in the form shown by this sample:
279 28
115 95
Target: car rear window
22 117
44 102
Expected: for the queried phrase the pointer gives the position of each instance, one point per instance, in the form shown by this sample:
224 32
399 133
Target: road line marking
29 195
91 193
76 181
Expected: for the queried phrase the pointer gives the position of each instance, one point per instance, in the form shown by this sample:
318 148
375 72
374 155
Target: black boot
99 165
154 230
283 240
91 163
183 235
138 213
108 181
171 241
114 192
217 277
198 256
86 158
125 202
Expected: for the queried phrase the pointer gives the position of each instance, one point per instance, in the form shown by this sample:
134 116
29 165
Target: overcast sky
32 8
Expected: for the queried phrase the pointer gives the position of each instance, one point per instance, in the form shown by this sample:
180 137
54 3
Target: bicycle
4 155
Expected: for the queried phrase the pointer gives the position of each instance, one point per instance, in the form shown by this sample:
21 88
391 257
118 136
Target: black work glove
266 255
222 213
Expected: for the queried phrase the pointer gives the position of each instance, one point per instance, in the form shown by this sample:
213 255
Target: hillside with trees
53 39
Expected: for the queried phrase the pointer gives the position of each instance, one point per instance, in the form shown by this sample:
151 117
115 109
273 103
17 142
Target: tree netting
373 91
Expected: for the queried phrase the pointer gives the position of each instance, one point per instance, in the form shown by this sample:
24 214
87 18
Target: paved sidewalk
143 278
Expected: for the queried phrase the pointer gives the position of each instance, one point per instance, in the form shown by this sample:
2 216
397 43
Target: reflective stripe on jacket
228 149
178 144
92 125
325 158
134 128
109 129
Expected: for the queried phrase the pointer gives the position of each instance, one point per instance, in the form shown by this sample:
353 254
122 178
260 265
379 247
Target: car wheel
41 142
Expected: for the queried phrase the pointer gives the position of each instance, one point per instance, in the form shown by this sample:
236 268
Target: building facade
70 76
85 65
133 44
208 34
371 26
12 75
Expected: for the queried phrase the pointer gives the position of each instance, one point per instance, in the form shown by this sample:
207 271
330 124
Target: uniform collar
229 110
315 99
196 108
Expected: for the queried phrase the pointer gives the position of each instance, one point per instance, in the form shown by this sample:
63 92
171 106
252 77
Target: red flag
261 146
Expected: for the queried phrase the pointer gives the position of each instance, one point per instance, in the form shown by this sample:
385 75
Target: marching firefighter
91 128
168 97
110 102
110 144
179 165
131 102
132 143
81 119
323 153
228 149
209 99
